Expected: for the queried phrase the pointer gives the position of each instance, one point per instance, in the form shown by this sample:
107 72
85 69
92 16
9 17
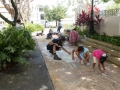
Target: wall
111 26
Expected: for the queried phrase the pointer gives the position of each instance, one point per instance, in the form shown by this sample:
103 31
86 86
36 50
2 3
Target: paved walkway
64 75
68 75
34 77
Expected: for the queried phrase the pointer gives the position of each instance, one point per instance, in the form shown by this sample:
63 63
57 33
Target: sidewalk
34 77
68 75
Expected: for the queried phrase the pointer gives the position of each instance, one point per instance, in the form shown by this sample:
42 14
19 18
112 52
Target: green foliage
67 26
34 27
116 1
56 13
113 6
81 32
115 40
13 45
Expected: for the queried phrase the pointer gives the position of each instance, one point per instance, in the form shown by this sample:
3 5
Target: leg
58 30
54 49
94 62
99 66
103 66
104 69
54 53
50 48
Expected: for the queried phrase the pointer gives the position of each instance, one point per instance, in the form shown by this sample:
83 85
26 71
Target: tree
11 7
11 12
56 12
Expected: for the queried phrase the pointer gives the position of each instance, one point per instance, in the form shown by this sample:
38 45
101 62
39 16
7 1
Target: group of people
81 52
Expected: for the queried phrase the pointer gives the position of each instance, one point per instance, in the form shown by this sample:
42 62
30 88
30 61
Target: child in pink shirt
100 56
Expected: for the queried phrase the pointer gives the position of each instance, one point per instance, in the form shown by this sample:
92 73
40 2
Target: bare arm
65 50
87 56
51 43
73 54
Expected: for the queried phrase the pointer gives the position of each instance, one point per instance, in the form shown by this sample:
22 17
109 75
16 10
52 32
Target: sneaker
56 57
51 52
88 63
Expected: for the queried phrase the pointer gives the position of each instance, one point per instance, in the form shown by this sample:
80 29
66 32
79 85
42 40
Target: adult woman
74 37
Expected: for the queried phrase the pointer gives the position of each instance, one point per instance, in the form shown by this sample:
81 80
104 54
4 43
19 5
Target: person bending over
82 53
100 57
55 45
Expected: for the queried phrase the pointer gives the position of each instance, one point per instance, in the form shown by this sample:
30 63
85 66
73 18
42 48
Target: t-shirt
58 41
59 24
85 50
82 53
97 53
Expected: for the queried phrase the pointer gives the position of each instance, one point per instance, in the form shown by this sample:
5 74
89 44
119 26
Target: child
100 56
82 53
49 35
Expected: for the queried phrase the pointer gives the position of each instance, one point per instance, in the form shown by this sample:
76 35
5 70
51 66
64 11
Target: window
42 16
40 9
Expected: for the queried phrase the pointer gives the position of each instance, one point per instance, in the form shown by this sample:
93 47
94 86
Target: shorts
50 47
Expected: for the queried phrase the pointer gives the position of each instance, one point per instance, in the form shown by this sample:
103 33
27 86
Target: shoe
88 63
56 57
51 52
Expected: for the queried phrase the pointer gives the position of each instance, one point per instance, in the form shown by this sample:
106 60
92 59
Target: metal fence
111 12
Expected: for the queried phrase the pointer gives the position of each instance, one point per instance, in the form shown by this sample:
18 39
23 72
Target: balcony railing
111 12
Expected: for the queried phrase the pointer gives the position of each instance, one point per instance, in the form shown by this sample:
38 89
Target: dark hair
74 29
62 38
68 31
18 21
80 48
103 59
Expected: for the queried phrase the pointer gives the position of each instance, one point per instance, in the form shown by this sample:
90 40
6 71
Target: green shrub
115 40
13 45
68 26
34 27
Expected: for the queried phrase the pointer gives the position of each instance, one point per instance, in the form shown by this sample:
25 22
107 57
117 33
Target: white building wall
81 7
36 14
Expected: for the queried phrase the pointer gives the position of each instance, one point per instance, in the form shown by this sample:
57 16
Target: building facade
37 14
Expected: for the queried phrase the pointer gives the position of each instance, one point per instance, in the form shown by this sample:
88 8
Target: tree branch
5 19
16 11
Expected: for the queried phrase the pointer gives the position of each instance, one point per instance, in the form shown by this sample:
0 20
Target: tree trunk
16 12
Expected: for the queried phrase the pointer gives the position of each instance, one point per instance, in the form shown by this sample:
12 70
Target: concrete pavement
69 75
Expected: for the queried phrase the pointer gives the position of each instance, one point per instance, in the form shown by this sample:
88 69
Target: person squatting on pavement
82 53
100 57
55 45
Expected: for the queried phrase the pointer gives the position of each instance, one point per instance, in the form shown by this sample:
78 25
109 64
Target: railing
111 12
